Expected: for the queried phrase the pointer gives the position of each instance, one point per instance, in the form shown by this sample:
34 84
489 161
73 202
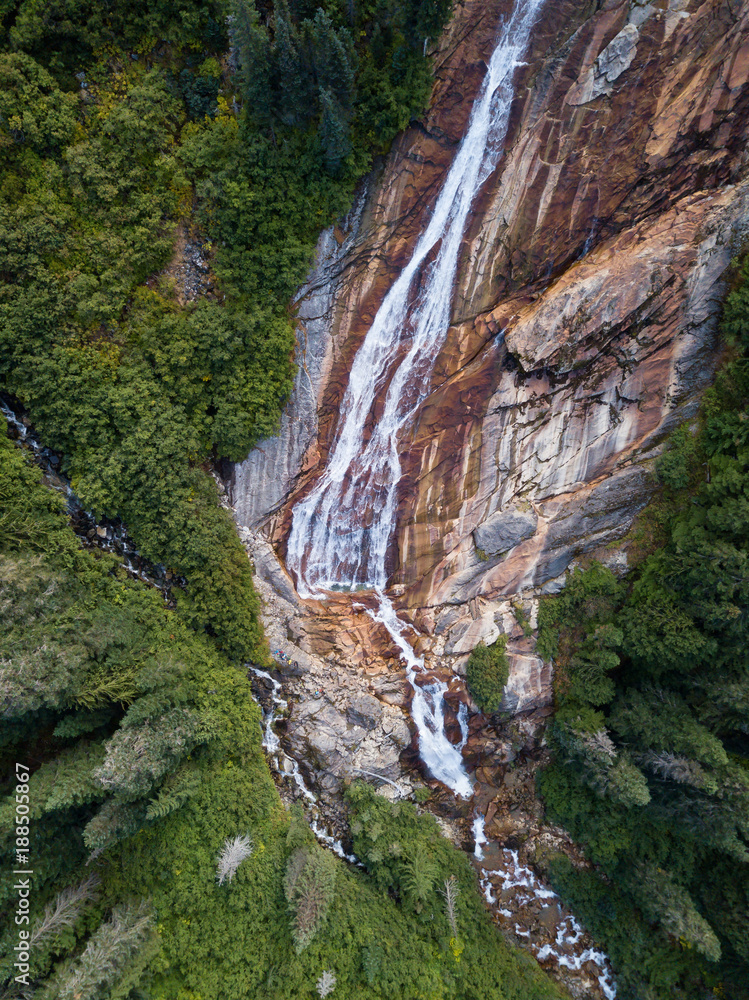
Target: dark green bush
486 674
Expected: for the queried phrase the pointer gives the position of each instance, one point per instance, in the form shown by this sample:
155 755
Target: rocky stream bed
338 706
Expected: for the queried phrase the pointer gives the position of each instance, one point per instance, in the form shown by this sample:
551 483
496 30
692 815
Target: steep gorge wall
584 313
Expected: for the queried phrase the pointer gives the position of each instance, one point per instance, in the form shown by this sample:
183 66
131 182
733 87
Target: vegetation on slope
651 729
118 121
487 671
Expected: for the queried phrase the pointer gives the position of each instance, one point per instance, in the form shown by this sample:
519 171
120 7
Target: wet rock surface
345 716
513 865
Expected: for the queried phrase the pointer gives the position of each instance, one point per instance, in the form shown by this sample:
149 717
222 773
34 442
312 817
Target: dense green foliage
486 674
145 750
651 730
133 389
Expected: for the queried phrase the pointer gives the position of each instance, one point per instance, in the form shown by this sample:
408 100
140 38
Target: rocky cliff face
584 313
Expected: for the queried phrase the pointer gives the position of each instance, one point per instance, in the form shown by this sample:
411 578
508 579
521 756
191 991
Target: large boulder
505 529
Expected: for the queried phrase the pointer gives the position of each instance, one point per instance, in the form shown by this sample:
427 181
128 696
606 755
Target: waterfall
340 532
442 758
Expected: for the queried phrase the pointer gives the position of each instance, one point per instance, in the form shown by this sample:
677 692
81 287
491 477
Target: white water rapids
341 531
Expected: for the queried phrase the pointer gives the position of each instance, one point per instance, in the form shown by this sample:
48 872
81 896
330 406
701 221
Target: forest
164 863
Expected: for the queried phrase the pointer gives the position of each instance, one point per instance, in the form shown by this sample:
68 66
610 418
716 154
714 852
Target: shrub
486 674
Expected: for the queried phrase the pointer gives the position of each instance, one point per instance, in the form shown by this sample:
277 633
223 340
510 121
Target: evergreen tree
664 902
309 884
255 71
64 912
115 821
419 877
591 666
333 60
108 952
424 19
334 134
662 720
487 672
138 756
296 95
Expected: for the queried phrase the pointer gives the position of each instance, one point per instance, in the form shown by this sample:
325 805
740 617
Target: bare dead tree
233 853
675 768
451 892
326 984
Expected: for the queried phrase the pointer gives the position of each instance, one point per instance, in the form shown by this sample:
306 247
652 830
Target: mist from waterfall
341 531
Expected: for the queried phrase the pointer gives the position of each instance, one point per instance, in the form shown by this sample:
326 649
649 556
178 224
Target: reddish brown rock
584 311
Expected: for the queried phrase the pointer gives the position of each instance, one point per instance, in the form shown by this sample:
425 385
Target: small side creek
107 534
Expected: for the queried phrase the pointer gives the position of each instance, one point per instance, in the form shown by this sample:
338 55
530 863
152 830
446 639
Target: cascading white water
289 767
340 532
479 837
442 758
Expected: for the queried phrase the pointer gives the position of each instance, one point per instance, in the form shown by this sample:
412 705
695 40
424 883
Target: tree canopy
651 729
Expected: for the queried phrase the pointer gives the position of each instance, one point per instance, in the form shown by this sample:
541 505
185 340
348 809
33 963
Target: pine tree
138 756
296 99
114 821
334 133
177 789
591 667
419 876
68 780
333 60
65 911
487 672
601 765
670 905
255 63
660 719
424 19
111 947
670 767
